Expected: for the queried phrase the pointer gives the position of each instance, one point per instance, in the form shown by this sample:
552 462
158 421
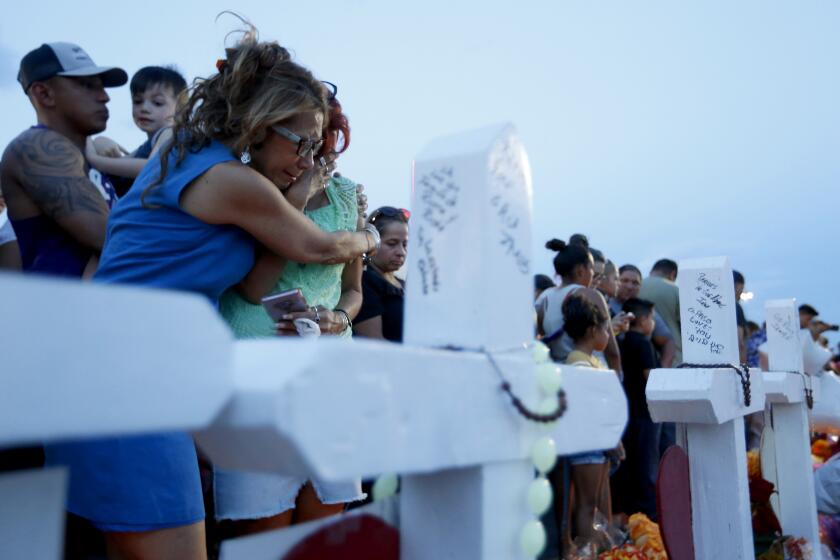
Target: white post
469 286
787 423
711 403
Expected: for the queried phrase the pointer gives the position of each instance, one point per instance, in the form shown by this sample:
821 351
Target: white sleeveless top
550 305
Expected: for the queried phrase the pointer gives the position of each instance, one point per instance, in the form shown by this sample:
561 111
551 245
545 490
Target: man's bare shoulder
41 151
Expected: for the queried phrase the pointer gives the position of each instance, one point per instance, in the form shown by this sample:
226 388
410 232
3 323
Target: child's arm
122 166
109 148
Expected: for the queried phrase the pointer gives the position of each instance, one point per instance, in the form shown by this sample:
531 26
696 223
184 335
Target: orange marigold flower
753 464
821 448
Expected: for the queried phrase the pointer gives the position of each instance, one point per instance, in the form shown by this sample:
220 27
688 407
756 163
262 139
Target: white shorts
251 495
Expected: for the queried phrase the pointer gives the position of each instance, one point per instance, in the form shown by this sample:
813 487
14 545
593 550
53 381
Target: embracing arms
232 194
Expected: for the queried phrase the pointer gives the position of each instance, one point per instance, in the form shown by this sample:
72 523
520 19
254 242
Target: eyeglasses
390 212
305 146
331 88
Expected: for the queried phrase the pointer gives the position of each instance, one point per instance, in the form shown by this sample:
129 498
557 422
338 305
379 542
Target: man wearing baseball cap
58 204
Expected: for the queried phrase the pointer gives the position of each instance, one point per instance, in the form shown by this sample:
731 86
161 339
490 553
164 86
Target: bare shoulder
51 171
225 191
41 151
236 182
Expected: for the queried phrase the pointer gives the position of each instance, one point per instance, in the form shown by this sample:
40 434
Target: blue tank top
163 246
46 248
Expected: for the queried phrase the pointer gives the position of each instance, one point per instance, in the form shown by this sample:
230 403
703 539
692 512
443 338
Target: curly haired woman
191 222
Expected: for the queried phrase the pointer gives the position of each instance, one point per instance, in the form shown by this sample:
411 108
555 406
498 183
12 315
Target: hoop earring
245 157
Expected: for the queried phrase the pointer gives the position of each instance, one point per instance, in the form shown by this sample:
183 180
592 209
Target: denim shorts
587 458
252 495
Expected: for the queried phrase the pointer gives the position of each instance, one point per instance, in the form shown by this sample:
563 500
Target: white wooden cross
786 455
340 409
436 416
711 404
78 361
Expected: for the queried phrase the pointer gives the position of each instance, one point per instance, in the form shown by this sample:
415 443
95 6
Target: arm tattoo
52 172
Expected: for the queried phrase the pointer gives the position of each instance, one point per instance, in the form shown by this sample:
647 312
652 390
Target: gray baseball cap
65 59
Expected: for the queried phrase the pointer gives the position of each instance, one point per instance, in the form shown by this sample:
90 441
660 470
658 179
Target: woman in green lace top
327 287
249 502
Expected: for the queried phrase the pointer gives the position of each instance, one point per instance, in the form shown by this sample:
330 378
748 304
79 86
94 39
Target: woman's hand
330 322
362 203
299 193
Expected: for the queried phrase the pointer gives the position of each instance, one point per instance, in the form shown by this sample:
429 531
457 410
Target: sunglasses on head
305 146
390 212
332 89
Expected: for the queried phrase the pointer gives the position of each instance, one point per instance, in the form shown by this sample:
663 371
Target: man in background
629 285
58 204
660 288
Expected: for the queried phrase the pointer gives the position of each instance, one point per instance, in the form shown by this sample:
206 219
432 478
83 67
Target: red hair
338 128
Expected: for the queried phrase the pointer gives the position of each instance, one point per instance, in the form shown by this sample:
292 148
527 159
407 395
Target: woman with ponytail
575 266
192 221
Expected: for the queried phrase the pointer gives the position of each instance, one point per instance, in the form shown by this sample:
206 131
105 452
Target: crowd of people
603 316
235 196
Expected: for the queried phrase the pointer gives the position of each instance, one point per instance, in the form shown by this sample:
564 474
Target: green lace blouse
320 283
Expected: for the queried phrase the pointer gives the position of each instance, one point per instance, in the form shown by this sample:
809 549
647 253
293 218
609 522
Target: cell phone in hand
280 304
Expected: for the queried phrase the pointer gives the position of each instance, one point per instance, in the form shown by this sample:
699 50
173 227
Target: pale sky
660 128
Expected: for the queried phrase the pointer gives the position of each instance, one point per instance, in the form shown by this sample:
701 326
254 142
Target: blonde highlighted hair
257 85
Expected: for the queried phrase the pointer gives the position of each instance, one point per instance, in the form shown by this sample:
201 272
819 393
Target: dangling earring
245 157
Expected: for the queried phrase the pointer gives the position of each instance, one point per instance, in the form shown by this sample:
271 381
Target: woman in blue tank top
192 221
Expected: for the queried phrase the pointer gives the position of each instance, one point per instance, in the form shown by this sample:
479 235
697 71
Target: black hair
625 267
149 76
738 277
665 266
639 307
543 282
579 239
579 315
597 255
568 256
808 310
753 326
385 215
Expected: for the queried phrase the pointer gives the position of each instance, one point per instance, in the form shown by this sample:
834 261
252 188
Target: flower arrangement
822 450
646 542
769 541
788 548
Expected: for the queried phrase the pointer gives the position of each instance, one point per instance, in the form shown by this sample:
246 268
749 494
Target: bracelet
377 240
348 324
